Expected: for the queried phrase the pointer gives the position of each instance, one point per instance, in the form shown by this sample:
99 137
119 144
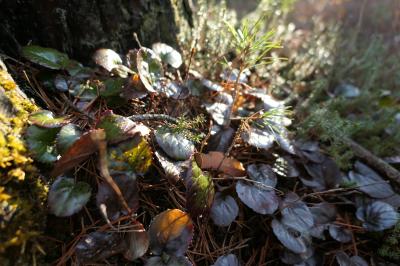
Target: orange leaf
79 151
215 160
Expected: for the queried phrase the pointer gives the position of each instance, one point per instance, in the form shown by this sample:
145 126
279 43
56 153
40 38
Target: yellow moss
5 82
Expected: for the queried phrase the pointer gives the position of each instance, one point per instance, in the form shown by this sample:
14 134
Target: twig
373 160
102 144
144 117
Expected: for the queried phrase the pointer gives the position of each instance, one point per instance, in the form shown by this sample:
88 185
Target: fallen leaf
216 160
171 232
137 242
85 146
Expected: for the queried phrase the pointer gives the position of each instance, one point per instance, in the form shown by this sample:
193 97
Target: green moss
391 245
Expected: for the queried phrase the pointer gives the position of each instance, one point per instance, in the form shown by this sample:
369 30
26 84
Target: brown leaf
79 151
215 160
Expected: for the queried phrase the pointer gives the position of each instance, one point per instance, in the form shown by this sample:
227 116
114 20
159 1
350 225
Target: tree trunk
78 27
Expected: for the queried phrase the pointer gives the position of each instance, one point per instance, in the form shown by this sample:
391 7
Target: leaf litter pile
152 163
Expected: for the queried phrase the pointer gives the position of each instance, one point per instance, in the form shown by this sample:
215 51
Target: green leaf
119 128
199 191
131 155
46 57
66 197
46 119
150 68
66 137
41 142
113 87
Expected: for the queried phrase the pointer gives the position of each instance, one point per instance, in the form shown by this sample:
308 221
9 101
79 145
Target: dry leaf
216 160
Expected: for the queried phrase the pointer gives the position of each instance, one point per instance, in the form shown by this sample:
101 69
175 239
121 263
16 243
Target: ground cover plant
251 149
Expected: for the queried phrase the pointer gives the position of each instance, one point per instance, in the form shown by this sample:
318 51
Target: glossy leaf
108 202
149 67
377 216
262 173
130 155
221 140
107 58
46 57
259 199
219 112
168 261
173 170
174 90
215 160
137 242
340 234
224 210
174 145
119 128
296 214
285 166
61 83
258 138
41 143
199 191
66 137
66 197
168 54
112 87
98 246
344 260
171 232
369 182
46 119
227 260
289 238
323 213
85 146
324 175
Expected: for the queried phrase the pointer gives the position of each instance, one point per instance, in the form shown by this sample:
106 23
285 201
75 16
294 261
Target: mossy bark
22 193
78 27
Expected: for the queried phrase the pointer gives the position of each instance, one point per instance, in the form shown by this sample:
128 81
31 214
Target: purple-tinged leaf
340 234
173 170
296 214
219 112
168 261
259 199
258 138
323 213
285 166
224 210
324 175
98 246
109 203
377 216
289 238
221 140
369 182
227 260
344 260
262 173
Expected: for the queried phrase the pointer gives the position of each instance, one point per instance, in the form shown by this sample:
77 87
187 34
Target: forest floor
167 158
